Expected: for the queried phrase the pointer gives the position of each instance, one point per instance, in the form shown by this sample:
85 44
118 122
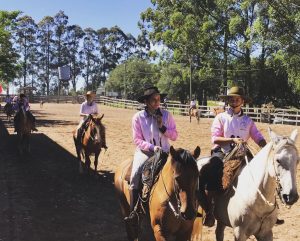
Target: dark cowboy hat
236 91
148 92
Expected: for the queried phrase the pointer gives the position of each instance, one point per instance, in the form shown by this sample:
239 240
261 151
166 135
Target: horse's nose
290 199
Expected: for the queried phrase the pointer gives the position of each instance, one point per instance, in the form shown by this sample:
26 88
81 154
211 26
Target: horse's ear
197 152
273 136
294 135
174 154
101 116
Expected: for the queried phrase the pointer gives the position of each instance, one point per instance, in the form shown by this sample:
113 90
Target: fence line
276 116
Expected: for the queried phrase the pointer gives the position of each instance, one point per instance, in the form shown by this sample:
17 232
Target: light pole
191 72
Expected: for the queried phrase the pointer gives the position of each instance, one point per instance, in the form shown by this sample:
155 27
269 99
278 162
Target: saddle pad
127 171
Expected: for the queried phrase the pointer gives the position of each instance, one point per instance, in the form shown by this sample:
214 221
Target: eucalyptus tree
25 33
8 54
45 37
89 57
74 37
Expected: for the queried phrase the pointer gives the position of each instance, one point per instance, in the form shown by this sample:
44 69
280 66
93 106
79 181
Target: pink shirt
88 109
146 134
228 125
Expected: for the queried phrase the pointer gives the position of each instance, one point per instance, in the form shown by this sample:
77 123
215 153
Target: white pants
139 160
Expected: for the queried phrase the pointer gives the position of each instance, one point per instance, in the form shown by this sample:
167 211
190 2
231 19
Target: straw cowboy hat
148 92
236 91
90 93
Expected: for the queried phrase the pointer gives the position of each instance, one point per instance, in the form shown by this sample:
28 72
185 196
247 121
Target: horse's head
285 162
185 180
95 129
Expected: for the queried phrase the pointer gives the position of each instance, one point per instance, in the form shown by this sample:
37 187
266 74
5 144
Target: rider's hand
159 121
157 148
238 140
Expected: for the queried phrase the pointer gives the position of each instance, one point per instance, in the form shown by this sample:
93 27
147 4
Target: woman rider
152 128
228 128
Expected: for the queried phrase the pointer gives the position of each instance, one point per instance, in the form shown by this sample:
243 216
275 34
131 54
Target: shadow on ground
43 197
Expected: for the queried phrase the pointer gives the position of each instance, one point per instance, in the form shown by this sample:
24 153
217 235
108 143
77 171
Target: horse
42 103
196 113
172 205
24 127
91 143
9 111
249 205
218 109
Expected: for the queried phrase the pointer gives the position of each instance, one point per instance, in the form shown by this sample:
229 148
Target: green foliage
131 77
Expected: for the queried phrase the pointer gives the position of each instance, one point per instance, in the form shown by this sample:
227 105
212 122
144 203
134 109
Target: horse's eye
278 161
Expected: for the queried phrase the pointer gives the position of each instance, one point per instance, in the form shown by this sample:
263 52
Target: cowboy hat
90 93
236 91
148 92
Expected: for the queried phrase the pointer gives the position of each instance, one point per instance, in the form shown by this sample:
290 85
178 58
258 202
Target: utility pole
124 80
191 72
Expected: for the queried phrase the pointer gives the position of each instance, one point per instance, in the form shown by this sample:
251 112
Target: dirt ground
43 197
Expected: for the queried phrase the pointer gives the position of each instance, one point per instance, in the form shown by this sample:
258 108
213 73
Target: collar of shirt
231 113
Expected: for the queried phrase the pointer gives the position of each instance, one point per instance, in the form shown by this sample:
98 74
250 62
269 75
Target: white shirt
193 103
87 109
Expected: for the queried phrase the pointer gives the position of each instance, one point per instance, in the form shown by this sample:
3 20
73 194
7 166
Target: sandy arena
43 197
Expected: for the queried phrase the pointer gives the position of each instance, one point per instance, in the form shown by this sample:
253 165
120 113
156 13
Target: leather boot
209 219
132 221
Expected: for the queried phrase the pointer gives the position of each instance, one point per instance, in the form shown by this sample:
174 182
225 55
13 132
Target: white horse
249 206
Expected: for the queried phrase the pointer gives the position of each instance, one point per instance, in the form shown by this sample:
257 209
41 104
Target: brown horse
196 113
172 203
218 109
91 143
24 127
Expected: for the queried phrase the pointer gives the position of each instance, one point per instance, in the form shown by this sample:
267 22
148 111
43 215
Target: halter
285 141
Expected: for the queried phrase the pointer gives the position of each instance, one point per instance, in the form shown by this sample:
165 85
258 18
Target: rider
152 128
228 128
8 99
89 107
22 101
193 105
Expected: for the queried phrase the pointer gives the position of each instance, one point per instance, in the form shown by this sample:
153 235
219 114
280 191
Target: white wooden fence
278 116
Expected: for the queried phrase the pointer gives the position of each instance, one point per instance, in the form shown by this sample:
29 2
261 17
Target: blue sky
89 13
86 13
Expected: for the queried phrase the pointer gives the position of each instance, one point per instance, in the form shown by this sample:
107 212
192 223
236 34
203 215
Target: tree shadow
45 198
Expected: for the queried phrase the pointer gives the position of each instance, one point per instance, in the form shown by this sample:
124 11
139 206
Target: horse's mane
186 156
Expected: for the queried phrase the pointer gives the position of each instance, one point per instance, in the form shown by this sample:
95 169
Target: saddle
150 172
233 163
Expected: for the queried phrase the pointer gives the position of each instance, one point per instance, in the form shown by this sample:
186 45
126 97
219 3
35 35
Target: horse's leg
267 236
220 231
96 161
239 235
87 161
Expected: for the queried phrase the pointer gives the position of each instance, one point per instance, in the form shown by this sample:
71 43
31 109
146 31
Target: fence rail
276 116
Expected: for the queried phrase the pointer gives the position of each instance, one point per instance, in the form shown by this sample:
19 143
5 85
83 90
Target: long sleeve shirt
87 109
231 125
146 133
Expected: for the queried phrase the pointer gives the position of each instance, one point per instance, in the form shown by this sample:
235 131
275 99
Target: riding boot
209 219
133 219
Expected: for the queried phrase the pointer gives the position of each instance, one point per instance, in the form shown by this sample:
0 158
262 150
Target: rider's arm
138 137
81 112
256 135
170 130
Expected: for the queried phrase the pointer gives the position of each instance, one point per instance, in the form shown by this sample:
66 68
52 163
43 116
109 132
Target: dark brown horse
196 113
172 203
9 111
24 125
91 143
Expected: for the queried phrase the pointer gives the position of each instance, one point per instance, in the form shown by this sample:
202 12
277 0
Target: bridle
176 211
